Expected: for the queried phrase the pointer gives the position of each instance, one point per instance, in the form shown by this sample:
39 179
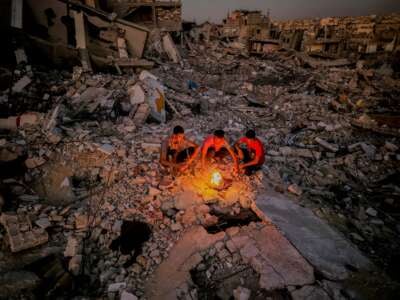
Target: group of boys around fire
178 153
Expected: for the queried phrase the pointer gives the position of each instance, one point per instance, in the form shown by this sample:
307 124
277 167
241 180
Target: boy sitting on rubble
251 153
177 151
216 146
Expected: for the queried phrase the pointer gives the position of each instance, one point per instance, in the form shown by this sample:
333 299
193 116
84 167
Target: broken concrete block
20 233
155 97
146 74
116 287
326 145
176 226
141 114
295 189
27 119
170 48
151 147
368 149
55 186
81 221
391 147
128 296
187 199
74 264
122 49
154 191
106 149
20 56
241 293
249 251
21 84
73 247
136 94
43 223
34 162
371 212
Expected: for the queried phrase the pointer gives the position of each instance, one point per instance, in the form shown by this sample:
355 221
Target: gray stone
241 293
74 264
333 289
371 212
117 226
326 145
43 223
128 296
106 149
115 287
73 246
368 149
321 245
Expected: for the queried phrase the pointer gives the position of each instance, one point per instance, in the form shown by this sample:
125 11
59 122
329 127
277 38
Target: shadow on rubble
216 280
133 235
228 217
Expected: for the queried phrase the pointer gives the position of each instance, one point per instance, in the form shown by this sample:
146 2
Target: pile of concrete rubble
79 171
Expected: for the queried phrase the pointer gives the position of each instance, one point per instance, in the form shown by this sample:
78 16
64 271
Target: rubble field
88 212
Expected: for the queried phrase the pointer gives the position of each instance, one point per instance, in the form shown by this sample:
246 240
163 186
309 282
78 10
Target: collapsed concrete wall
81 30
166 15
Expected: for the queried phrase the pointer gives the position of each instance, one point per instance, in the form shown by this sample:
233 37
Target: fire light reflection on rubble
218 183
216 179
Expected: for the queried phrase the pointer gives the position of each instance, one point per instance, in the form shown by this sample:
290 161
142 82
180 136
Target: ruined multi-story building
340 36
164 14
245 25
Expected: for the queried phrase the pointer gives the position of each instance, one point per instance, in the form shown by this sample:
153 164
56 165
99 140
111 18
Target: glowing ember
216 178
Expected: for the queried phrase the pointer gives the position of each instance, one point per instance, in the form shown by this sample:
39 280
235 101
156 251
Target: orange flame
216 178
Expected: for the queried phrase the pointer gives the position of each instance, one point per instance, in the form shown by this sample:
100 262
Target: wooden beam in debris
16 13
80 30
81 40
135 62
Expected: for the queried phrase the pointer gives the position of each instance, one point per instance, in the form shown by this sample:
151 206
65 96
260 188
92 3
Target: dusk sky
216 10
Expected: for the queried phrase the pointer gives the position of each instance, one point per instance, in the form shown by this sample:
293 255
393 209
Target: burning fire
216 178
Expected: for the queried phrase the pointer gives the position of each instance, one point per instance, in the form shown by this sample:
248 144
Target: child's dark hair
178 129
251 134
219 133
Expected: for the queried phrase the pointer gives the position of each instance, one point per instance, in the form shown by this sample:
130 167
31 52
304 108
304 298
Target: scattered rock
241 293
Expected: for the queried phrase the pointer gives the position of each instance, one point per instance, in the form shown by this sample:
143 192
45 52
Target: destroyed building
341 36
87 99
244 25
165 15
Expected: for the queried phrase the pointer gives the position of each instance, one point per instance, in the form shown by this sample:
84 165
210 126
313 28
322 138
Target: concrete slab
273 257
174 271
325 248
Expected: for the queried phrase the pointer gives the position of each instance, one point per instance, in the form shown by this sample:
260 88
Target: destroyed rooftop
89 91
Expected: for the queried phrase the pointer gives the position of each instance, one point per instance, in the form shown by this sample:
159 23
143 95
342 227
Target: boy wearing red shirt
251 152
217 146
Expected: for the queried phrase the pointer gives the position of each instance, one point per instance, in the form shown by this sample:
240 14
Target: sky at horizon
216 10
